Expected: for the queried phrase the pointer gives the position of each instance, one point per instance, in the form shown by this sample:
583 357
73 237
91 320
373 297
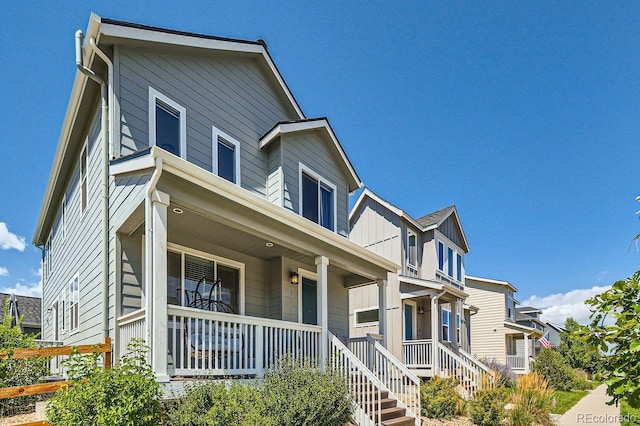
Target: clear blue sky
524 115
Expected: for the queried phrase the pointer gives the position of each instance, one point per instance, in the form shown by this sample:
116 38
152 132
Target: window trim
154 97
71 305
356 324
411 233
215 134
321 181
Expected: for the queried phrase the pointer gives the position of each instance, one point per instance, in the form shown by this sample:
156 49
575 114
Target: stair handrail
470 358
474 377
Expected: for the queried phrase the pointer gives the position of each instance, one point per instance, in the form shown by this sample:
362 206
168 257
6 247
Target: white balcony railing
131 326
516 362
417 353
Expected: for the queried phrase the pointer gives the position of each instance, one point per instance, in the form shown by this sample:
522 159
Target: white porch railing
215 343
516 362
131 326
417 353
452 365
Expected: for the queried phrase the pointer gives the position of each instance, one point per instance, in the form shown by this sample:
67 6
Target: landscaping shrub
18 372
127 394
532 401
440 398
505 377
555 370
487 406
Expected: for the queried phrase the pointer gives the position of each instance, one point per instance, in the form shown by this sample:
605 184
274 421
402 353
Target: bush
487 406
127 394
440 398
306 395
532 401
505 377
217 404
18 372
554 369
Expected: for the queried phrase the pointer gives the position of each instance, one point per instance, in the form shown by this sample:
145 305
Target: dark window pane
367 316
440 256
167 129
450 261
326 197
459 270
226 160
229 289
309 198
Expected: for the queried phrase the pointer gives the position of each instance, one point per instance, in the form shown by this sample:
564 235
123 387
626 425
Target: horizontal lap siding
228 92
490 301
131 272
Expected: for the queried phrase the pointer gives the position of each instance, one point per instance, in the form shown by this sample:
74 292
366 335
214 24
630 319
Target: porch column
435 334
158 288
382 310
453 326
323 318
526 353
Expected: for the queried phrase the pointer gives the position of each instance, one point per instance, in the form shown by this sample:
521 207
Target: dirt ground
16 420
456 421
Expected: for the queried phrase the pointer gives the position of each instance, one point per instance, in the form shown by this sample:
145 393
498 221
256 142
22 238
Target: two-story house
529 317
427 318
192 204
498 331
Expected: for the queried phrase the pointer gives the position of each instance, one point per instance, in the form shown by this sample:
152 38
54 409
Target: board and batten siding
490 301
230 92
378 229
449 229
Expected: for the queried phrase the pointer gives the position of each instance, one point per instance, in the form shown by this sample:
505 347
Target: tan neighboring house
427 316
496 333
192 204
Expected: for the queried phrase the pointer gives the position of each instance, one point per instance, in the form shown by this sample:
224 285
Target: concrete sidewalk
592 409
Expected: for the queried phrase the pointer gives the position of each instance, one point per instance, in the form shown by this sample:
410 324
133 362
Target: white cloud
24 289
560 306
4 272
9 240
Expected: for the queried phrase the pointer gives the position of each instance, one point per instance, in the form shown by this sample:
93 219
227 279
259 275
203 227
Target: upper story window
511 306
441 255
226 156
451 263
317 199
412 248
458 267
167 124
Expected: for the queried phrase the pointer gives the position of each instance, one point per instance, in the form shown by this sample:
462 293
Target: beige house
427 316
496 333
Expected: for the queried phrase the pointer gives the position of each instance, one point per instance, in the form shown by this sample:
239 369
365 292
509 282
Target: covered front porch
520 344
219 281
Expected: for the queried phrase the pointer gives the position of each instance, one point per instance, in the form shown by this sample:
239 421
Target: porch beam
322 264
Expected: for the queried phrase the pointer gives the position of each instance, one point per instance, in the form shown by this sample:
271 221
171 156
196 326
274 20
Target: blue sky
524 115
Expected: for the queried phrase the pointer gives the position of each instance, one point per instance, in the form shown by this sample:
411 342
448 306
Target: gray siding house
192 204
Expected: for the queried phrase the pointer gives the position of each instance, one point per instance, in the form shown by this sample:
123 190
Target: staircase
376 404
463 367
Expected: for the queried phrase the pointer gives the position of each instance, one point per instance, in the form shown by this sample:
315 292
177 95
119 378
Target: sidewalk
592 409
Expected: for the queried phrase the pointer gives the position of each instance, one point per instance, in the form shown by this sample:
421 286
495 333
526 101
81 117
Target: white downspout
104 134
435 332
148 248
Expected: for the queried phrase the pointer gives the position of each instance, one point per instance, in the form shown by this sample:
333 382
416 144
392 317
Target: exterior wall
378 229
131 272
274 174
490 301
79 252
226 91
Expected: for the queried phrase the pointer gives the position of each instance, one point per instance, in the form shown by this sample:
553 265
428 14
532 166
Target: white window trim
445 262
321 181
414 315
365 324
409 234
304 273
215 133
77 328
154 96
218 260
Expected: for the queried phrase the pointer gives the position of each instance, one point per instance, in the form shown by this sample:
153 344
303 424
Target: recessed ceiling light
178 210
269 244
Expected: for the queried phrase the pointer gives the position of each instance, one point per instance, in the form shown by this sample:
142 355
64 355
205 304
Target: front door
409 321
309 301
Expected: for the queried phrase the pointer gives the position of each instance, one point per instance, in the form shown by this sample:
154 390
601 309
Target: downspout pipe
149 251
104 134
435 337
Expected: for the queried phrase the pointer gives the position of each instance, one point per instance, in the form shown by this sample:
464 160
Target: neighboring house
427 317
199 209
554 331
497 333
26 306
529 317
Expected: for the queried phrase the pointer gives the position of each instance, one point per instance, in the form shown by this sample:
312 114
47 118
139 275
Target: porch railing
215 343
417 353
452 365
516 362
131 326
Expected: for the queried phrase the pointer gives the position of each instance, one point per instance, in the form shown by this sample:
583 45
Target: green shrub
487 406
440 398
555 370
18 372
306 395
219 404
127 394
532 401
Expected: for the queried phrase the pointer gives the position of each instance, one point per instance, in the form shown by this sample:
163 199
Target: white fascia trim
215 133
133 165
321 181
320 124
154 96
492 281
522 328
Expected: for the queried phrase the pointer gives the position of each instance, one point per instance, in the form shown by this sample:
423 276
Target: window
412 248
458 267
511 306
226 156
167 124
446 323
458 328
83 177
366 316
441 255
317 199
73 304
450 261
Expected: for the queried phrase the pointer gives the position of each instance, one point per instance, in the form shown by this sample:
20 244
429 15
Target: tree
576 351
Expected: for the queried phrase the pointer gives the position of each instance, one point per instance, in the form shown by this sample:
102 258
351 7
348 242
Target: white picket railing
516 362
417 353
205 343
131 326
452 365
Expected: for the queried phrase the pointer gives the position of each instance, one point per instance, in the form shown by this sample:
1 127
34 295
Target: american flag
544 341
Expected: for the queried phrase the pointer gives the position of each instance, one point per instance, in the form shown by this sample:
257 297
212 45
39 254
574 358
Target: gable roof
27 306
322 125
528 309
84 94
506 284
556 327
425 223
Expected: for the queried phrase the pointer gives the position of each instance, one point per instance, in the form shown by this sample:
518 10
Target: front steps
386 410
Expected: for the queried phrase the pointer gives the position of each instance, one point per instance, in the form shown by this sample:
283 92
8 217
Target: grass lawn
632 413
567 399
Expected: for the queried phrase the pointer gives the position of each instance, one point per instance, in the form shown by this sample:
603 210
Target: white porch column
452 326
322 263
158 289
382 311
526 353
435 334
